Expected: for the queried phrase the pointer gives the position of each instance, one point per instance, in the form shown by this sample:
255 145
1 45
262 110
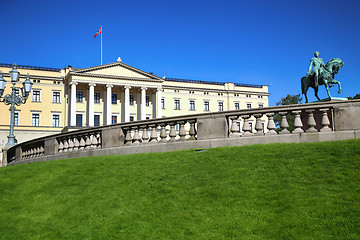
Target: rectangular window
177 127
113 119
56 120
35 120
237 106
131 99
36 96
221 106
96 97
132 118
248 105
79 120
206 106
79 96
114 98
56 97
96 120
176 104
162 103
147 102
16 119
261 105
192 105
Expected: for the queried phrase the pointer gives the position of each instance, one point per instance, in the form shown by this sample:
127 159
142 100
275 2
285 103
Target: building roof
31 67
211 82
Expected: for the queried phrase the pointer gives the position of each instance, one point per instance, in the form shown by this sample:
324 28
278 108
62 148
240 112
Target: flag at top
98 32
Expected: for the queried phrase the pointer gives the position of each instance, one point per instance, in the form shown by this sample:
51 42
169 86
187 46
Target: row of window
35 120
206 105
114 98
36 96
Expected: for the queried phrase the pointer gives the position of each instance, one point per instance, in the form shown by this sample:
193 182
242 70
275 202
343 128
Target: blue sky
257 42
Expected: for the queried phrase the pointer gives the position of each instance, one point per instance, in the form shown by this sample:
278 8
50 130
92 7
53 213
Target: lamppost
14 98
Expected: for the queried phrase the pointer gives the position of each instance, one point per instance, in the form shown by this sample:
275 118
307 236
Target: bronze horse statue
326 78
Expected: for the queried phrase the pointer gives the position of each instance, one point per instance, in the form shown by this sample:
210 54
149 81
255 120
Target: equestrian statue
321 75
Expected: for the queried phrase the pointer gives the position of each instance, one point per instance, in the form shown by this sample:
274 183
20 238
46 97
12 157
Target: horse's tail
303 84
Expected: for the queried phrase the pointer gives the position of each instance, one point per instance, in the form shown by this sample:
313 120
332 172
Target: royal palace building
62 99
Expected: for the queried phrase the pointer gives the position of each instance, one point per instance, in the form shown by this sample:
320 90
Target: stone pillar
158 103
143 103
127 103
108 104
72 104
91 105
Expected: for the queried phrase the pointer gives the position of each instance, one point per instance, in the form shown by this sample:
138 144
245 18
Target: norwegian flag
98 32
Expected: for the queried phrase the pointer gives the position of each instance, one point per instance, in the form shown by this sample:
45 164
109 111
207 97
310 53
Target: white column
143 103
108 104
127 103
158 103
72 104
91 105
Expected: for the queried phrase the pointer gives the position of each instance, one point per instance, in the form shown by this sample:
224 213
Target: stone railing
312 122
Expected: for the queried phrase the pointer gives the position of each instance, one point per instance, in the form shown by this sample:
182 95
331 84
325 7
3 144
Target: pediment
117 69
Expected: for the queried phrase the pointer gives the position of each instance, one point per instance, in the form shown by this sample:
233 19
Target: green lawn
275 191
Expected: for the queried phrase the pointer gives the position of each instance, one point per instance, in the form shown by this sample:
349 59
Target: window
248 105
79 121
177 104
113 119
192 105
79 96
237 106
16 119
96 97
36 96
35 119
221 106
206 106
114 98
177 127
162 103
251 127
56 120
261 105
132 118
131 99
96 120
56 97
147 100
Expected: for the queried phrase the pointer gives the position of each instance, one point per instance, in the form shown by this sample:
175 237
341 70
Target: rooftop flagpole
101 46
97 33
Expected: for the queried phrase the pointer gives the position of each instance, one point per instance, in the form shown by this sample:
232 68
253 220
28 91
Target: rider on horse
318 68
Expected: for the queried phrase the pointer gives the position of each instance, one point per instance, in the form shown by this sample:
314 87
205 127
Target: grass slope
275 191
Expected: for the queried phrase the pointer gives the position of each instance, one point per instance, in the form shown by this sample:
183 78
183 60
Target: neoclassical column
158 103
72 103
108 104
127 103
143 103
91 105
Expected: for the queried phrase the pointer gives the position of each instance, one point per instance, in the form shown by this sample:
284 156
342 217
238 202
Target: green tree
288 100
357 96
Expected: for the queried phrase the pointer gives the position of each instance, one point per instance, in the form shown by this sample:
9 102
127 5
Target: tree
288 100
357 96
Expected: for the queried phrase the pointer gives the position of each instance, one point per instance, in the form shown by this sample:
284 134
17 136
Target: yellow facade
51 107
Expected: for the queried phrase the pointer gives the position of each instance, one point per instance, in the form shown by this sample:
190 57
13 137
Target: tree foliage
288 100
357 96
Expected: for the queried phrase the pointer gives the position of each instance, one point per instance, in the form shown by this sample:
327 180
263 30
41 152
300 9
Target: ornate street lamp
14 99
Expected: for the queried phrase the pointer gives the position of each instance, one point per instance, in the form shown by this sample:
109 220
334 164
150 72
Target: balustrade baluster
71 145
145 134
76 144
192 130
234 130
82 143
98 137
42 151
297 122
172 133
94 141
136 139
258 125
311 121
66 145
271 124
153 136
87 142
128 138
246 126
182 131
163 134
61 146
284 123
325 121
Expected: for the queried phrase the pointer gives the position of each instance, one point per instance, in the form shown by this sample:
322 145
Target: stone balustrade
311 122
